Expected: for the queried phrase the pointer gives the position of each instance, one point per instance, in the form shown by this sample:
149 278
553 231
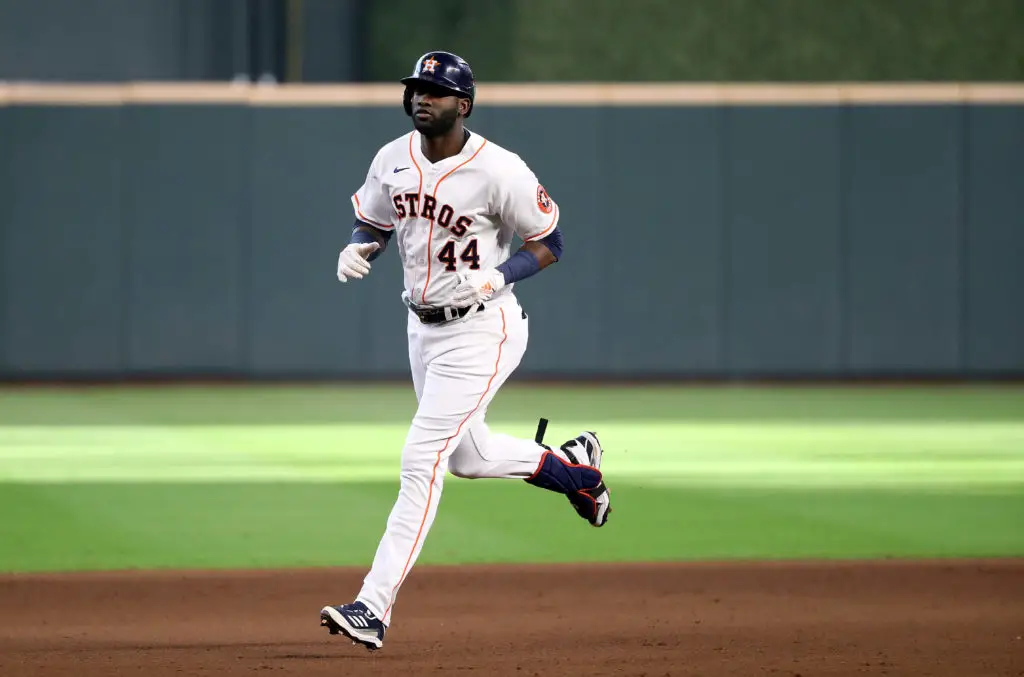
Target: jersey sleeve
525 205
372 202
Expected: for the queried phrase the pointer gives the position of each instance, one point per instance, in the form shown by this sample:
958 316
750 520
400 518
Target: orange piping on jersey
359 213
547 231
430 236
433 474
419 191
460 166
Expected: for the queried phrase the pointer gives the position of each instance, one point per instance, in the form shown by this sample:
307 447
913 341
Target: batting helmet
445 70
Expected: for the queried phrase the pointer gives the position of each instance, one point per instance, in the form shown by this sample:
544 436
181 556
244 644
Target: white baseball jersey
453 216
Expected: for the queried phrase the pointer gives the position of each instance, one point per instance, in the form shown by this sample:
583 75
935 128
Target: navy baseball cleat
356 622
577 475
593 505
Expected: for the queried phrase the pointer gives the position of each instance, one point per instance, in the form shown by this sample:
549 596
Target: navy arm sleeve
554 243
359 235
524 264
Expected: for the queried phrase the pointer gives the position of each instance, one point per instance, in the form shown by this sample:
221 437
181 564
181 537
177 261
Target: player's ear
464 107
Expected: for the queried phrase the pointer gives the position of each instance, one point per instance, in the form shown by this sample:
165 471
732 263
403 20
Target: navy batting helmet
445 70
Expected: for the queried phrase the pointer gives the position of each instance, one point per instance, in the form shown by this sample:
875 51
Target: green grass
108 478
102 526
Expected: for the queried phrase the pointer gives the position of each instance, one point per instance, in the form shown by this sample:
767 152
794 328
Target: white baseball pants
457 368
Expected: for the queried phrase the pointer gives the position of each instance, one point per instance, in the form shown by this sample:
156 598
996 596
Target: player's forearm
532 258
367 234
541 252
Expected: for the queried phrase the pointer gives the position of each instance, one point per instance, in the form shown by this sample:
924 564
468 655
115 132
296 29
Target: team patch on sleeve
544 202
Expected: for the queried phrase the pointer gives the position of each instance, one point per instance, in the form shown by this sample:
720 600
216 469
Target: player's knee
418 467
464 467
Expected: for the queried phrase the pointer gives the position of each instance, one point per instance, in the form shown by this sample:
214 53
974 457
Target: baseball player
452 202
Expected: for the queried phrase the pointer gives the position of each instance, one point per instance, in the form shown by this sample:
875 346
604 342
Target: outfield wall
711 231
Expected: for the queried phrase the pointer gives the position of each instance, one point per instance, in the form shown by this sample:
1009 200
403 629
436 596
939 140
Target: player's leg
417 367
483 453
572 469
356 621
466 363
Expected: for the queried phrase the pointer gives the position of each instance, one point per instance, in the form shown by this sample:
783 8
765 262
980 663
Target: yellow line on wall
540 94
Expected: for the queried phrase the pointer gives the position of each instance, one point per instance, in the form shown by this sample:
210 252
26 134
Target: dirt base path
954 618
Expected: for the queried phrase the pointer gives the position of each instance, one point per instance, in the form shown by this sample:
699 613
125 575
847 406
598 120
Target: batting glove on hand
352 261
478 286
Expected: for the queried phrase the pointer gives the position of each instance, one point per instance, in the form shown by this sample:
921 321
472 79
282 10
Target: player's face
434 110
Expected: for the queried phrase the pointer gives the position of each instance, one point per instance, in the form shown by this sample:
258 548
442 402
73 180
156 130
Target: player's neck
439 148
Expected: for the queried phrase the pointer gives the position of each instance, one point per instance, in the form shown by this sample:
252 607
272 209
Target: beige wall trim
541 94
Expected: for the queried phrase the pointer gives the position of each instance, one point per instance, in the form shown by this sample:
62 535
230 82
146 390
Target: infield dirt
806 619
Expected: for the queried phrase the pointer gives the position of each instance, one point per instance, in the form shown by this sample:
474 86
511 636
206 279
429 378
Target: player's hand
352 261
478 286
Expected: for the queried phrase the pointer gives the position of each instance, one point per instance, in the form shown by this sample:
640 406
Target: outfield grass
101 478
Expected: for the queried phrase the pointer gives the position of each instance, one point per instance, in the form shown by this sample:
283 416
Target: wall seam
963 215
843 240
726 365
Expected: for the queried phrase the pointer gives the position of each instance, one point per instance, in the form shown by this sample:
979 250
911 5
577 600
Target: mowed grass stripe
282 524
682 453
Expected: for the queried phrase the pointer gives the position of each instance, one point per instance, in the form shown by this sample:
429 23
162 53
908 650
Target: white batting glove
478 286
352 261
